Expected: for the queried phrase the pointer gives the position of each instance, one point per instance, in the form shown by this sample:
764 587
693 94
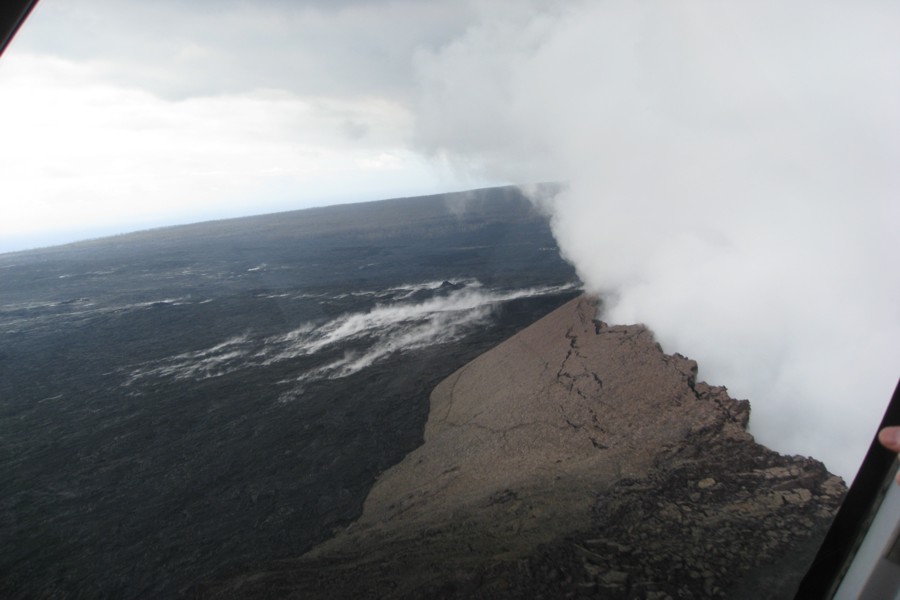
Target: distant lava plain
181 404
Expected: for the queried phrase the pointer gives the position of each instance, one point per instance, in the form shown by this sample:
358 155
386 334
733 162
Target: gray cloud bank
733 181
314 48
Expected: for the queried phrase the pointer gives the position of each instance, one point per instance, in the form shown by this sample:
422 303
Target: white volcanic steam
397 327
733 172
350 342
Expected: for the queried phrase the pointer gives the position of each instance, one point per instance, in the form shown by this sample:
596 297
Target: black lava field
181 404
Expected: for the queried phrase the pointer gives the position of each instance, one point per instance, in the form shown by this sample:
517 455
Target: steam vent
574 460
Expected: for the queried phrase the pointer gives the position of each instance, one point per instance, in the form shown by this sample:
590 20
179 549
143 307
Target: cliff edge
574 460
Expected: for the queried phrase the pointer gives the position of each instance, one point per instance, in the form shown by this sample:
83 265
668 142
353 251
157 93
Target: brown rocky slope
574 460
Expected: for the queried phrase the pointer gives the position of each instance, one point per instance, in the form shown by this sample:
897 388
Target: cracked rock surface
574 460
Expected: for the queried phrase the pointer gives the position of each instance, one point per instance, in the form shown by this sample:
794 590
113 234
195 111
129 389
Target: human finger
890 438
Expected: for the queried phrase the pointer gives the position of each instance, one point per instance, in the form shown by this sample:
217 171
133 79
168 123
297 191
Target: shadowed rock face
575 459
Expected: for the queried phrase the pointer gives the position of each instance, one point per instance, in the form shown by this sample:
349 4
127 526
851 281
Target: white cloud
120 115
80 150
732 183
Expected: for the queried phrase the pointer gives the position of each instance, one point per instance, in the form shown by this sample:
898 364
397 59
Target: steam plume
732 179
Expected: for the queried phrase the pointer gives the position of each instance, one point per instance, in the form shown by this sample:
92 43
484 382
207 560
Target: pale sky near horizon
127 115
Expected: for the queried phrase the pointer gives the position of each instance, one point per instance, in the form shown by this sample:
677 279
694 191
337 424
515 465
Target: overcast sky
733 168
125 114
